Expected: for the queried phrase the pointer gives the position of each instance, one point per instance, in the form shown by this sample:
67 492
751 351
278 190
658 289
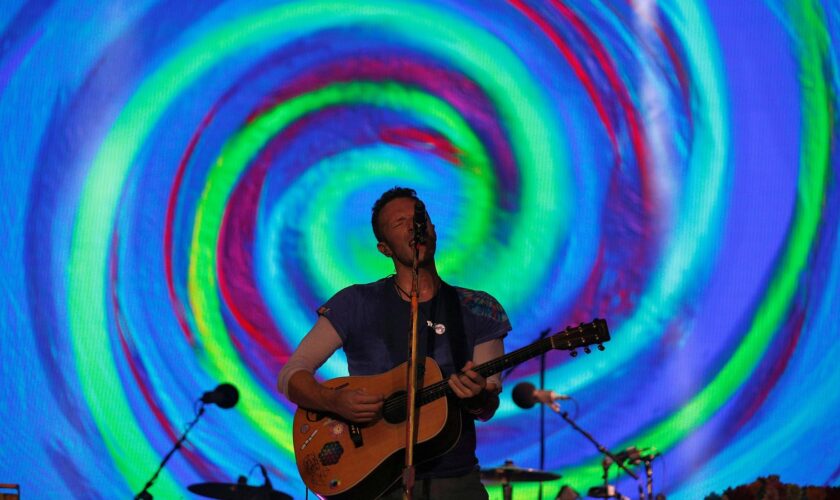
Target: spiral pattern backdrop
184 183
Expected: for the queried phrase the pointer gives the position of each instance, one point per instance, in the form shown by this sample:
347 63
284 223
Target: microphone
525 395
224 396
419 222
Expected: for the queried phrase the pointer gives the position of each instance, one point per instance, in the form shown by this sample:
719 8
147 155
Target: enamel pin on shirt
439 328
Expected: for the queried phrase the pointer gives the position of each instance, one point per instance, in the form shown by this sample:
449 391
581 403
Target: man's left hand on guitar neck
479 397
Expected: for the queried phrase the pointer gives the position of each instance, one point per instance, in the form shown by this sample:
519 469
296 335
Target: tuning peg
573 353
587 350
601 347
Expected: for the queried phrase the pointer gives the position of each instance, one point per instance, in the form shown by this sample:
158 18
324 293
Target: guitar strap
451 308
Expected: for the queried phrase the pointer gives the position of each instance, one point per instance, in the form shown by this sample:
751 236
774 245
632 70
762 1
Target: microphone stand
144 494
411 371
543 334
600 448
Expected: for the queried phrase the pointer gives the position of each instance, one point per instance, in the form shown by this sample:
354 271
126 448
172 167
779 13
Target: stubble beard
427 257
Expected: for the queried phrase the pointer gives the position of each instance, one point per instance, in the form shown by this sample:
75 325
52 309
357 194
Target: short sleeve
491 320
341 311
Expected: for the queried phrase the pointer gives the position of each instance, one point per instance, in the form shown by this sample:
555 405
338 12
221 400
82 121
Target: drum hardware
510 473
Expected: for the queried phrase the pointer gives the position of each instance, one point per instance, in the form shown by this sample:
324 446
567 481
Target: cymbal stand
543 334
542 411
507 490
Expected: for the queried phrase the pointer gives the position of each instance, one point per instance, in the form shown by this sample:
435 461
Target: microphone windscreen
226 396
523 395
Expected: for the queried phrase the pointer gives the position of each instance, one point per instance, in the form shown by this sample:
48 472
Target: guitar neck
441 389
514 358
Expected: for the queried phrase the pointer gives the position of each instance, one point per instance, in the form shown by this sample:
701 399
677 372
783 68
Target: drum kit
505 476
510 473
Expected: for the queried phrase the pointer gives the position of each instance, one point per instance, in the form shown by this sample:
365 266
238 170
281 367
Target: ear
384 249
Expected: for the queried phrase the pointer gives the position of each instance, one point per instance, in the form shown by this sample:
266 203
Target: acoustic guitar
342 460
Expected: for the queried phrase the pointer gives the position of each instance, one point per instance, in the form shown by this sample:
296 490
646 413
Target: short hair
389 195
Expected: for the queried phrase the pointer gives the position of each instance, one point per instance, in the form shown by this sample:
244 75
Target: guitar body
340 460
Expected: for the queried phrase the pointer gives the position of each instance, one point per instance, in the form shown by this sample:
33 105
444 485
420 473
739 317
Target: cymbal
229 491
509 473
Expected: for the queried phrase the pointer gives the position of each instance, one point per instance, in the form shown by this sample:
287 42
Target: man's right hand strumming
356 405
353 405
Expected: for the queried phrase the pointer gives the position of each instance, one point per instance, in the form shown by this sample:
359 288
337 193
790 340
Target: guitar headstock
582 336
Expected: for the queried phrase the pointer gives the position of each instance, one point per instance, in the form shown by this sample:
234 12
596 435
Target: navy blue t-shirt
372 321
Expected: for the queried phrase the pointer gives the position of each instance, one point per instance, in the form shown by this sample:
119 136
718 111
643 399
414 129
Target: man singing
459 328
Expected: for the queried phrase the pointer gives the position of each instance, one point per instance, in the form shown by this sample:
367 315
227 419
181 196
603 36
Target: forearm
297 382
303 390
484 405
353 405
314 349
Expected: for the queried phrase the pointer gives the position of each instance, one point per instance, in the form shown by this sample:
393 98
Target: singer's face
396 223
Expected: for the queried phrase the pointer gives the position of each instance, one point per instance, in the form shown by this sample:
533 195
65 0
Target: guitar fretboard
441 389
583 335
